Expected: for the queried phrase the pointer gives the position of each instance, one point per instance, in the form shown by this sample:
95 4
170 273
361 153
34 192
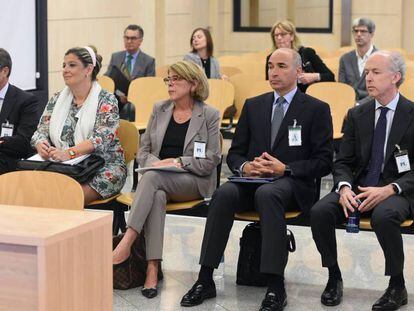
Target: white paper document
170 168
74 161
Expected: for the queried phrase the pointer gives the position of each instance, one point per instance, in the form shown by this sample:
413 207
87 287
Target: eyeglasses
361 31
126 38
281 34
172 80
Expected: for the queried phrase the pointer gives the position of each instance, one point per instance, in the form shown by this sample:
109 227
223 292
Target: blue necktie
277 119
377 151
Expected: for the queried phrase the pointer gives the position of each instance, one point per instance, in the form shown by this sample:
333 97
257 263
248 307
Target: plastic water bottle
352 225
219 272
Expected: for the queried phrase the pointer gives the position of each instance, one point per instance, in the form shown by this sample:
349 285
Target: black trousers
7 164
270 200
386 219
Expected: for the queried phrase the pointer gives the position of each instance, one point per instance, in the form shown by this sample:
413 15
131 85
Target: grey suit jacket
204 126
144 65
349 74
214 64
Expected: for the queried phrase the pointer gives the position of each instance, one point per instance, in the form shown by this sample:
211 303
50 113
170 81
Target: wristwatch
178 161
288 171
72 153
395 188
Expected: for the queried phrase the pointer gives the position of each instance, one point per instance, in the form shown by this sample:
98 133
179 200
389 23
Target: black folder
121 81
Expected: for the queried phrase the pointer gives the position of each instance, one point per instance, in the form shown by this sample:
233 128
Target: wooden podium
53 259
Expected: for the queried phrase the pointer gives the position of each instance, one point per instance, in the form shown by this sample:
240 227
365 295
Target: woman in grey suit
182 132
202 53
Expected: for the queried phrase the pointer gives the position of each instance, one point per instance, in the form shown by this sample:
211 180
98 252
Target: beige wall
168 25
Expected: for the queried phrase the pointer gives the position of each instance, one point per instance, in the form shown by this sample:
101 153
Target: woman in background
83 119
284 35
202 53
182 132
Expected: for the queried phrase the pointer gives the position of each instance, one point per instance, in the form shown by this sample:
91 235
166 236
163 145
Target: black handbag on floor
248 265
81 172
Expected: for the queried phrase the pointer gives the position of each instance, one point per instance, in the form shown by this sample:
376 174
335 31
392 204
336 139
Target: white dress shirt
3 92
362 60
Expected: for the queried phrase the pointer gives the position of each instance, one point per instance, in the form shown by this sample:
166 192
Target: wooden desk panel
65 264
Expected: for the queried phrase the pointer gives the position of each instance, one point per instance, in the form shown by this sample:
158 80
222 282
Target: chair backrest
143 93
161 71
333 64
259 87
221 94
128 136
339 96
41 189
342 50
242 83
229 70
407 89
106 83
409 73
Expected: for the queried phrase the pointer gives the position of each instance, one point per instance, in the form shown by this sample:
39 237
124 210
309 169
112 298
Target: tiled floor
361 261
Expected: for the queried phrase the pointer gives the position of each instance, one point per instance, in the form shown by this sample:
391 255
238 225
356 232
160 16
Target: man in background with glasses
351 64
130 64
18 118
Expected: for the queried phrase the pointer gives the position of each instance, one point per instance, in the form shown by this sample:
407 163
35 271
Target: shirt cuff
342 183
241 166
398 186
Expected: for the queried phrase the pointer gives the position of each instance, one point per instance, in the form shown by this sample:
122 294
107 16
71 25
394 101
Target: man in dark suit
132 63
351 64
285 134
18 118
372 167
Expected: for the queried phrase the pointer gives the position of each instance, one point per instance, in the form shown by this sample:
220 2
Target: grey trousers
154 189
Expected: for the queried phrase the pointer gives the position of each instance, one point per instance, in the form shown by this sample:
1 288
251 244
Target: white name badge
403 162
295 136
199 149
6 130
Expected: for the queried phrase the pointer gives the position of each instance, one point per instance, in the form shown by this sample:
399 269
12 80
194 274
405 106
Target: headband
92 54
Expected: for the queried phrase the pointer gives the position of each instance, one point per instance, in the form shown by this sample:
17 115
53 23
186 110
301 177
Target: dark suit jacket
20 108
349 74
355 150
308 162
144 65
311 62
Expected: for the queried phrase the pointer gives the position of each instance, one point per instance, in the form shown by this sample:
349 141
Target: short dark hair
86 58
135 28
209 41
5 60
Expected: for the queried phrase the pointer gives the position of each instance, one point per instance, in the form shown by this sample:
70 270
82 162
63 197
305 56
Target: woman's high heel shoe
149 292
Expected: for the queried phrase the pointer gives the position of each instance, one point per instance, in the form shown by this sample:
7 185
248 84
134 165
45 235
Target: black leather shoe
332 295
392 299
149 292
197 294
274 302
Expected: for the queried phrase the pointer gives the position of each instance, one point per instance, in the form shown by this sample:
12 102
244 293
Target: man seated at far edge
19 116
266 146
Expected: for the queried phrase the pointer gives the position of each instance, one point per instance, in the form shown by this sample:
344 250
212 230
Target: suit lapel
8 104
354 64
163 119
295 109
365 122
196 121
401 121
264 110
139 63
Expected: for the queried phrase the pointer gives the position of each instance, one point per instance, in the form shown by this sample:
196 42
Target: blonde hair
288 27
192 73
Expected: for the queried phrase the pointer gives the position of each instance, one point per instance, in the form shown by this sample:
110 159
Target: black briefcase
248 265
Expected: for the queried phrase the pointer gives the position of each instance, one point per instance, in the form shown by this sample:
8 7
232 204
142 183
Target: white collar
3 91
